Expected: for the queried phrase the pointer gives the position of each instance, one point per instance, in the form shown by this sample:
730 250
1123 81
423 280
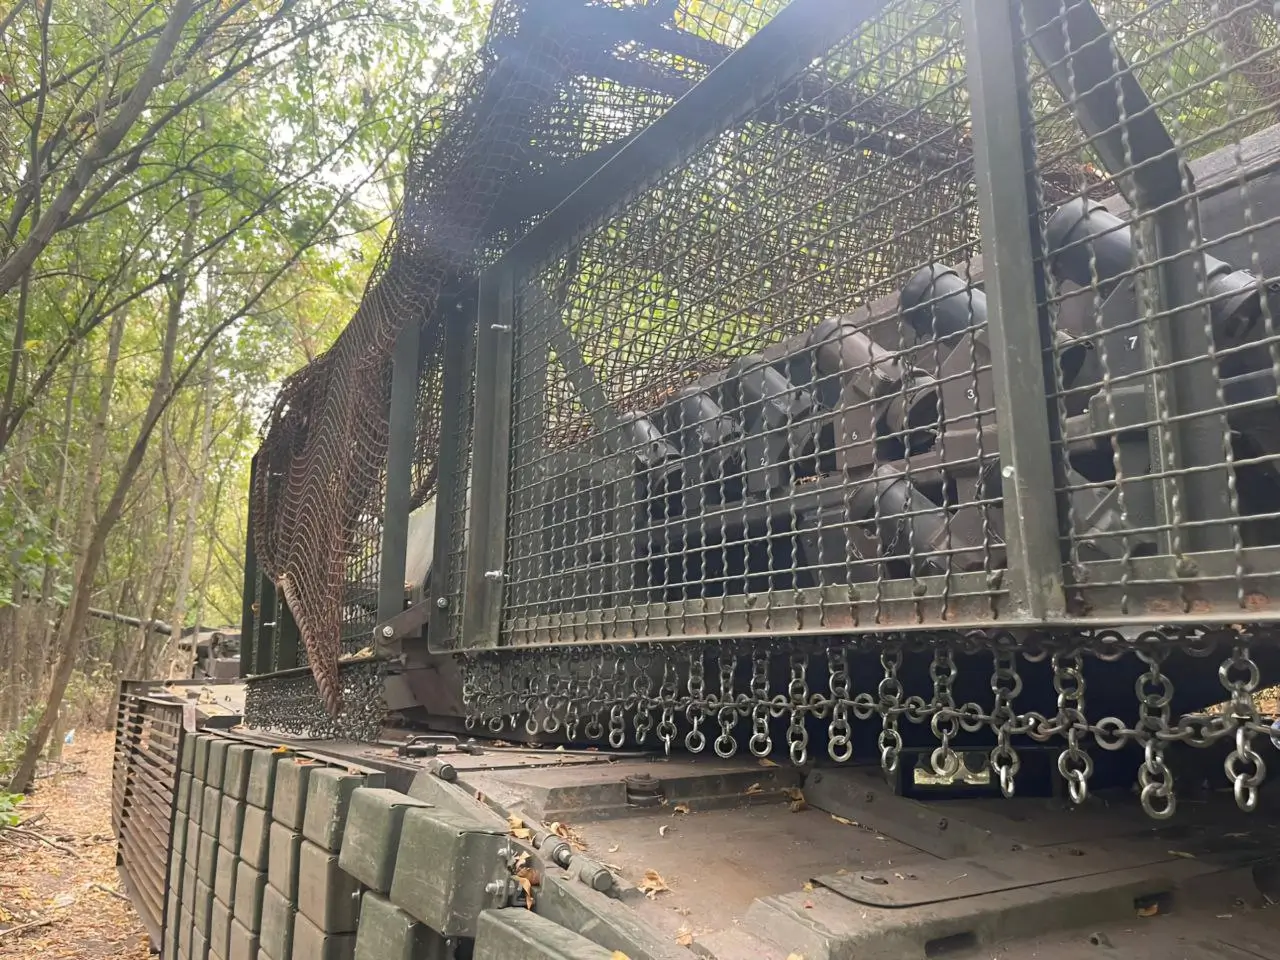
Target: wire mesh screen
722 421
558 87
1166 266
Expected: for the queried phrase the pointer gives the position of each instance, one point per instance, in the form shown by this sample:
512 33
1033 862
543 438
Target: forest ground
58 872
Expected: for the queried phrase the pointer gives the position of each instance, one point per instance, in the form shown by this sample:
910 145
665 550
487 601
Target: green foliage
9 816
12 743
27 544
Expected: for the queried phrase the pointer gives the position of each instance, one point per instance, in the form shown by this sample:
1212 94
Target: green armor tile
282 862
276 937
254 836
185 925
327 894
202 905
195 808
207 863
290 800
329 793
211 814
224 880
311 942
372 835
219 928
250 885
262 778
523 935
235 775
243 944
202 757
187 760
444 864
217 762
231 822
388 933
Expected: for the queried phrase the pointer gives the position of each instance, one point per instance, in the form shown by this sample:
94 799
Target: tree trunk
159 568
81 544
103 146
178 614
77 615
38 652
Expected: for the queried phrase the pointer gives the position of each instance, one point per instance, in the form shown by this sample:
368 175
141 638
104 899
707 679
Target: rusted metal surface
149 731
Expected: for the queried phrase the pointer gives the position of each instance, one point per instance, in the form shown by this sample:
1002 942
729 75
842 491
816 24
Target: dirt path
67 874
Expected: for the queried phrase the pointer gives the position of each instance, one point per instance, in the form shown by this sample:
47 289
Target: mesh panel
692 498
1167 436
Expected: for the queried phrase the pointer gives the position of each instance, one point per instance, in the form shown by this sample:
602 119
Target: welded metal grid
819 483
1166 439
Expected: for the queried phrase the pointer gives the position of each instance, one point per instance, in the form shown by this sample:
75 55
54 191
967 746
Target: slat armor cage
819 322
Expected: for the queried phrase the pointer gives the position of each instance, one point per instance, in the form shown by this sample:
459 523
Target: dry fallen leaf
796 796
684 938
1150 910
528 878
653 884
845 820
565 832
681 808
618 955
518 829
1183 854
281 749
754 789
766 762
808 886
662 830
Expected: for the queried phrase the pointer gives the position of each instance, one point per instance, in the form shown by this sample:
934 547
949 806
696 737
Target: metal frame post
1017 330
288 637
264 650
399 474
248 596
459 339
490 459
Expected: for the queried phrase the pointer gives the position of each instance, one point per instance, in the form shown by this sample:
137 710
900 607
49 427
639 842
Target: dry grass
58 873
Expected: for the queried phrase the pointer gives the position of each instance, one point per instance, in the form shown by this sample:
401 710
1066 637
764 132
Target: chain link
572 691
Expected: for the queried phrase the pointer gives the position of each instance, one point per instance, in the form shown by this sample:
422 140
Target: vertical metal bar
288 637
458 337
265 650
1195 497
490 460
1016 331
248 598
399 484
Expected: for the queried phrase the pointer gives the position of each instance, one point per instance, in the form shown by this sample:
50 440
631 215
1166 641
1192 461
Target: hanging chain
1074 764
593 694
1155 779
890 697
1006 684
839 732
1244 766
799 706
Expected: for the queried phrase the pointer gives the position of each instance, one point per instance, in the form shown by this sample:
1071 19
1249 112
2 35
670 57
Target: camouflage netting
557 89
